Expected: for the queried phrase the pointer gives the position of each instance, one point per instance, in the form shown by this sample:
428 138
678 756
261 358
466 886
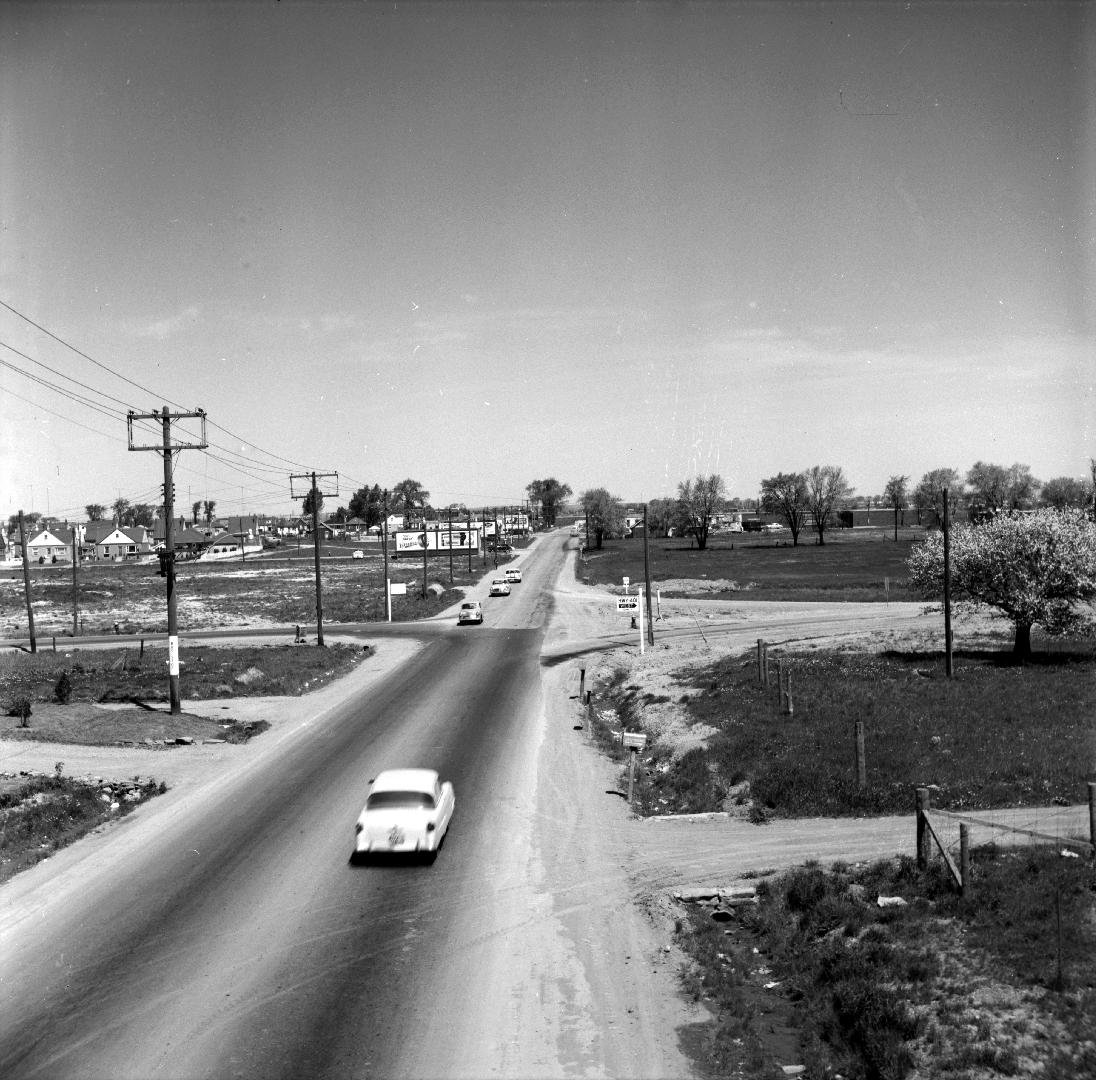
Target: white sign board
628 603
634 740
398 588
463 539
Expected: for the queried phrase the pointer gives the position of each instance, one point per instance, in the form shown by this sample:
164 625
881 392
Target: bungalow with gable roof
50 545
129 542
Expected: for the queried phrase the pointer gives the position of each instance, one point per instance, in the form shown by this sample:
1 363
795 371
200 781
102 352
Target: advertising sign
463 539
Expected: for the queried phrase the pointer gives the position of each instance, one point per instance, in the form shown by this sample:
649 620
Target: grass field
852 565
995 735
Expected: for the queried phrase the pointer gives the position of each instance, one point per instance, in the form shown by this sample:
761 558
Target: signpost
632 604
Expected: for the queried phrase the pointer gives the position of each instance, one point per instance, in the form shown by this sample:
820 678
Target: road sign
634 740
628 603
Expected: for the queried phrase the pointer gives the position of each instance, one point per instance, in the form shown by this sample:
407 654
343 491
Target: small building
50 545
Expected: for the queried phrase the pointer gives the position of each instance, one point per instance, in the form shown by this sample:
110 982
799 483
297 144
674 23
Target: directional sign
627 603
634 740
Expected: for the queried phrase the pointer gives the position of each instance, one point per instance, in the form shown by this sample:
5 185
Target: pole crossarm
159 417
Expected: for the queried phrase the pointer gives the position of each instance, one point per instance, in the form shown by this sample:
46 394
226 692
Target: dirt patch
94 725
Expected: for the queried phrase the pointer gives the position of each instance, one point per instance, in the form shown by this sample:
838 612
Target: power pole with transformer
317 496
168 447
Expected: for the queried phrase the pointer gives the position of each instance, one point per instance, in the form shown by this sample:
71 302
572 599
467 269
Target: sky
481 244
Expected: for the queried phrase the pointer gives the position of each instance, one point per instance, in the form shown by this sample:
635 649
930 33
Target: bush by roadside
819 973
42 814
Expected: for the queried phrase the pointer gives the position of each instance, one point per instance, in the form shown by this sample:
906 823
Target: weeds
876 992
994 736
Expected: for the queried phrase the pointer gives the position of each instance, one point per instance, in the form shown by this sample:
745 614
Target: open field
856 565
995 735
275 589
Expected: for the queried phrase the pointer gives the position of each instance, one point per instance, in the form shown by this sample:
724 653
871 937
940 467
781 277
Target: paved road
232 936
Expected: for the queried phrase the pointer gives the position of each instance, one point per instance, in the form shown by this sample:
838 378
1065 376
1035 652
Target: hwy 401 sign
628 604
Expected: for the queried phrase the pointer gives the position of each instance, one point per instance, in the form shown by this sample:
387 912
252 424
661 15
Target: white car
408 811
512 574
773 526
471 611
359 554
500 587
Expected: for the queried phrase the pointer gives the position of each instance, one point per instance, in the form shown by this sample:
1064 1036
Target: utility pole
387 586
469 540
647 578
450 545
316 496
167 558
75 595
947 589
26 583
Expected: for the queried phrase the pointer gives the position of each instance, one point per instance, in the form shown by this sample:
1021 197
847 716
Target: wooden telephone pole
168 447
316 496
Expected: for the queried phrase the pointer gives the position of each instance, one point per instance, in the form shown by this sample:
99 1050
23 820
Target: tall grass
875 991
995 735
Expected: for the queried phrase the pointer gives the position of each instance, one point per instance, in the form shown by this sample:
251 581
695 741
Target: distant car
735 526
500 587
407 811
772 526
512 574
503 549
358 554
470 612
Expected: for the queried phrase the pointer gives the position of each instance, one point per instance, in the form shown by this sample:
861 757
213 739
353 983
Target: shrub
20 707
63 690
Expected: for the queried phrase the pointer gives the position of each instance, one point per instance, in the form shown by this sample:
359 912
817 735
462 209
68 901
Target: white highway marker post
632 604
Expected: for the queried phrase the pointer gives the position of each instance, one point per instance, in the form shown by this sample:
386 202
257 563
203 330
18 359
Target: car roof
471 603
406 780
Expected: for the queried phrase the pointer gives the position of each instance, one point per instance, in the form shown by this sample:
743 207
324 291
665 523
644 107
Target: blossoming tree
1036 569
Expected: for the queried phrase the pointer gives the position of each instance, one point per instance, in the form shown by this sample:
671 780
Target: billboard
463 540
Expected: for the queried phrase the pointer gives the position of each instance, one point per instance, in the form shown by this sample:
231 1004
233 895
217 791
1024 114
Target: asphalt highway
237 939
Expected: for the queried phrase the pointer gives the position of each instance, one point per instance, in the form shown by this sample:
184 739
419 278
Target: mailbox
634 740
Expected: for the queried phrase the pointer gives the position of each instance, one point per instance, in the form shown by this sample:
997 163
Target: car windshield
403 800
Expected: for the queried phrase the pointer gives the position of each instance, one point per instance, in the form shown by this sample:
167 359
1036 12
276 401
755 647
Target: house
247 526
130 542
50 545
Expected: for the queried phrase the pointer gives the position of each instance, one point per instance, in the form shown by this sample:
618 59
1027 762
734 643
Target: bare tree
826 486
786 494
896 494
699 499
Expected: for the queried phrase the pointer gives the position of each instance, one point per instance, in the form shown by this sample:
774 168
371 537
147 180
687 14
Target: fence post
789 708
760 661
965 883
778 664
582 684
923 839
861 761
